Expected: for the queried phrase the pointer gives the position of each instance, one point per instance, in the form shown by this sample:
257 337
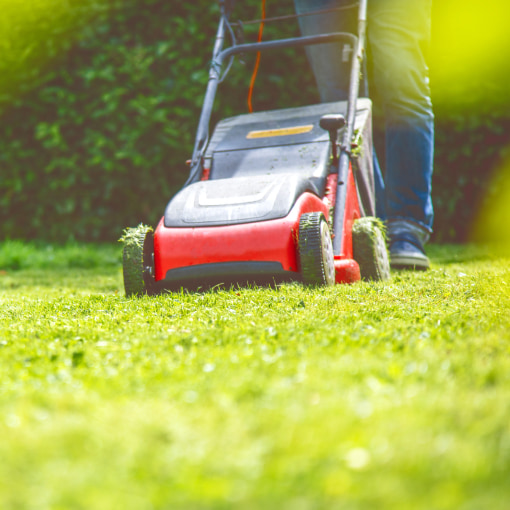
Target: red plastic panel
346 268
346 271
330 190
272 241
351 213
206 172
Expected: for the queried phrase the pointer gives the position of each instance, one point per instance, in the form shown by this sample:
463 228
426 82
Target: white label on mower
268 133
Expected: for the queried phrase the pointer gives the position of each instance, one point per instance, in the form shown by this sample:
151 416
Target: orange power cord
257 60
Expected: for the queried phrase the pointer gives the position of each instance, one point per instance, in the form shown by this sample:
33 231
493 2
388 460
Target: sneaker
406 240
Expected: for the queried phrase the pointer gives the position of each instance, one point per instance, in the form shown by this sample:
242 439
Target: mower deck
271 196
262 172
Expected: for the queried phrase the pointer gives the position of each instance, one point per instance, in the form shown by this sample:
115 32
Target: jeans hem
411 220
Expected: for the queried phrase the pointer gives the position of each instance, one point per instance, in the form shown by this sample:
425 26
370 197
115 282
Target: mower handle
286 43
219 56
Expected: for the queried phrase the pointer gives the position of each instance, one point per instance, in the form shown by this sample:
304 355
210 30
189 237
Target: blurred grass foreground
372 396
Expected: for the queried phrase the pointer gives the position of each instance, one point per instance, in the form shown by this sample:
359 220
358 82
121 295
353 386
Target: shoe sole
409 262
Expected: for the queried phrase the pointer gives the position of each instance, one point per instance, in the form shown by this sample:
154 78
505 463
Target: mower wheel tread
137 262
370 250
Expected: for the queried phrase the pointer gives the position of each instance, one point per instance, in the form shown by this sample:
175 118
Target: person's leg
399 34
331 62
380 192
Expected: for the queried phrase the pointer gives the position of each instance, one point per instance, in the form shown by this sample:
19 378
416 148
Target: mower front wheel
138 260
369 249
316 250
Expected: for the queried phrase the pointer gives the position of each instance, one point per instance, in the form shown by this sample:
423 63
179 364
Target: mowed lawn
390 395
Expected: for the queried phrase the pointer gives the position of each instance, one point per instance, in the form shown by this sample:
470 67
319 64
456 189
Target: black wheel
316 250
137 260
369 247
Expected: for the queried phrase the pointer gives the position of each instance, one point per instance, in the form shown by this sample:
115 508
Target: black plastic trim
224 269
226 273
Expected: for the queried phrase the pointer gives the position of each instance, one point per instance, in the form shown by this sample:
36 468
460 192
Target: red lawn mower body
234 226
272 196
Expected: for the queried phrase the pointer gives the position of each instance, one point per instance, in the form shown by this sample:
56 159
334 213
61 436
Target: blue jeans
398 33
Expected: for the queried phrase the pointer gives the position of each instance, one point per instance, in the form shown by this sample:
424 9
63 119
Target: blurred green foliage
469 78
100 101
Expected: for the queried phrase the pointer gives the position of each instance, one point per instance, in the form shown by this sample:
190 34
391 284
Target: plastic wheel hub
316 250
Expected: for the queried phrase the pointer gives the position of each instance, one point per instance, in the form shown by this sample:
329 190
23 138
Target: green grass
366 396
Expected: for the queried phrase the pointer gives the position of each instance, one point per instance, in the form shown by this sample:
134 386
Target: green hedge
98 137
103 143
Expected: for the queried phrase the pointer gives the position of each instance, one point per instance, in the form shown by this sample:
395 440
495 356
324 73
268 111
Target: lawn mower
272 196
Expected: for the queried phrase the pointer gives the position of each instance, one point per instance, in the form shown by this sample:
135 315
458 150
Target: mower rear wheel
370 250
138 260
316 250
